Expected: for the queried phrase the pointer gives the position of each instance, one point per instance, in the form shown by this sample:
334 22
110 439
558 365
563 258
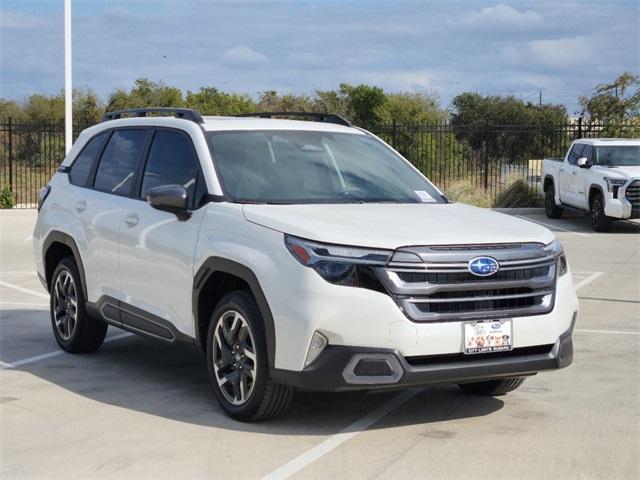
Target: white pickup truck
600 176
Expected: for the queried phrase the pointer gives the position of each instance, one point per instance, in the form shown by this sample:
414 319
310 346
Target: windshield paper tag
424 196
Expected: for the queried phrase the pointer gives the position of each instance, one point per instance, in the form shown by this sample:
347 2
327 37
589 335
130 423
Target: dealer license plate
487 336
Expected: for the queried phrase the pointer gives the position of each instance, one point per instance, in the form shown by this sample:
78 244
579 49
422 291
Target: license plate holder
487 336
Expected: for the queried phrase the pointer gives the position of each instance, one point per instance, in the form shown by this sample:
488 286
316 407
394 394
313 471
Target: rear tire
74 330
238 363
492 388
550 206
599 220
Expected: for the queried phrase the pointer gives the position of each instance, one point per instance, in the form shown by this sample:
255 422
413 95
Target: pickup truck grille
633 193
441 288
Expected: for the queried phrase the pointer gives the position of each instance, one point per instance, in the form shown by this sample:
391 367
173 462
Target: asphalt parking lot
138 409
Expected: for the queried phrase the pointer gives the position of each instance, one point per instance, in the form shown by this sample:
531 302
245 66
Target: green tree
614 108
145 93
272 101
506 127
211 101
88 109
363 103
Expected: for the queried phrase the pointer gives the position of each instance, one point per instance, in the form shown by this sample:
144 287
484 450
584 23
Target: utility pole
540 99
68 87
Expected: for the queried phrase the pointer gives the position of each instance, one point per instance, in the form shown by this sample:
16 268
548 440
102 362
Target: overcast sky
517 47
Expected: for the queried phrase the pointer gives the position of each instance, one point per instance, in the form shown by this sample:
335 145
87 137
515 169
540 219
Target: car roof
220 123
612 142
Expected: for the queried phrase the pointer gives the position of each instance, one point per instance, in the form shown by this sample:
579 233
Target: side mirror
584 162
170 198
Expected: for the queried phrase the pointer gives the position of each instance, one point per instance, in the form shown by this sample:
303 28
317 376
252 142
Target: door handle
130 218
562 170
575 173
81 205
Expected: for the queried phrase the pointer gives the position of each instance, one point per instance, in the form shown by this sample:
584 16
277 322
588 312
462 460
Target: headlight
614 182
340 265
556 250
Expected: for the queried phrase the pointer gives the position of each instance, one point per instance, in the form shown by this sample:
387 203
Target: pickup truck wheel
74 330
600 221
238 364
493 388
552 210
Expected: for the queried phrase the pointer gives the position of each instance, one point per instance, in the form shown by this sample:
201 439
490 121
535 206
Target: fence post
486 165
579 127
10 154
394 133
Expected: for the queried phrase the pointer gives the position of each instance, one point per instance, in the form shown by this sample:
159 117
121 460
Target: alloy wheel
234 357
65 305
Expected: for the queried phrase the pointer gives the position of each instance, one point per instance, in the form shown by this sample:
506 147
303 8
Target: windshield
314 167
618 156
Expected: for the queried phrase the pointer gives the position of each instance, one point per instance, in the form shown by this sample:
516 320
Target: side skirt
127 317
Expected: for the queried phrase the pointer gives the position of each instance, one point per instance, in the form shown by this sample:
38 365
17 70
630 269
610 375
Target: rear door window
83 164
119 162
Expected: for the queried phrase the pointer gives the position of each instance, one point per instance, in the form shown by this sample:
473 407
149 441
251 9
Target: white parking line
294 466
612 332
588 280
31 304
37 358
24 290
550 225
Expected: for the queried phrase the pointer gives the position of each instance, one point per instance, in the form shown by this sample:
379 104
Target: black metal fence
488 156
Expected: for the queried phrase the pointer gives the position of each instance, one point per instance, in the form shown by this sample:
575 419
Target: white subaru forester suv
297 255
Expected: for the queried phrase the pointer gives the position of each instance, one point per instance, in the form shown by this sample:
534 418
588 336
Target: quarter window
84 162
119 162
172 161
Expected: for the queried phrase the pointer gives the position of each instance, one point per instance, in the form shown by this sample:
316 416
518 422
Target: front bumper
337 368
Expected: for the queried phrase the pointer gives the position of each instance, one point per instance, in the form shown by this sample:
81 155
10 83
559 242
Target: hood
619 172
391 226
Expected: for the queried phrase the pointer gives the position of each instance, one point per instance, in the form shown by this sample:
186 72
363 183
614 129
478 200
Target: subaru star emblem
483 266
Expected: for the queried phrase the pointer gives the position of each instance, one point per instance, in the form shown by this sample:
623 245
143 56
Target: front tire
493 388
550 206
238 363
599 220
74 330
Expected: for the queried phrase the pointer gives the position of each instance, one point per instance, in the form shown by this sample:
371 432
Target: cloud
413 80
10 19
498 16
564 52
242 56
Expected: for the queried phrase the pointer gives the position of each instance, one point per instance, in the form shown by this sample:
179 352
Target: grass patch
515 194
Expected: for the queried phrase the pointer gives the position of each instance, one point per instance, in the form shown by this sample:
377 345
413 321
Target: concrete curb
520 211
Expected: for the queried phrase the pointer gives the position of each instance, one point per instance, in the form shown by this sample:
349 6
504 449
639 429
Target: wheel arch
593 189
548 182
218 276
55 247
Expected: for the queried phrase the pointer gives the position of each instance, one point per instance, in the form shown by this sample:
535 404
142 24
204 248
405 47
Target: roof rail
317 116
186 113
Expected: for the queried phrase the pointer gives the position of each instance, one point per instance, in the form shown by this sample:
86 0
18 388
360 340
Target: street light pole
68 88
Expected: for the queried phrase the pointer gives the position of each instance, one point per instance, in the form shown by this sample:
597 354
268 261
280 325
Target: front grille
461 277
441 288
633 193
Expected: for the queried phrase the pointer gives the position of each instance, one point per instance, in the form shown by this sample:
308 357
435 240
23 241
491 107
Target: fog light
562 265
318 343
